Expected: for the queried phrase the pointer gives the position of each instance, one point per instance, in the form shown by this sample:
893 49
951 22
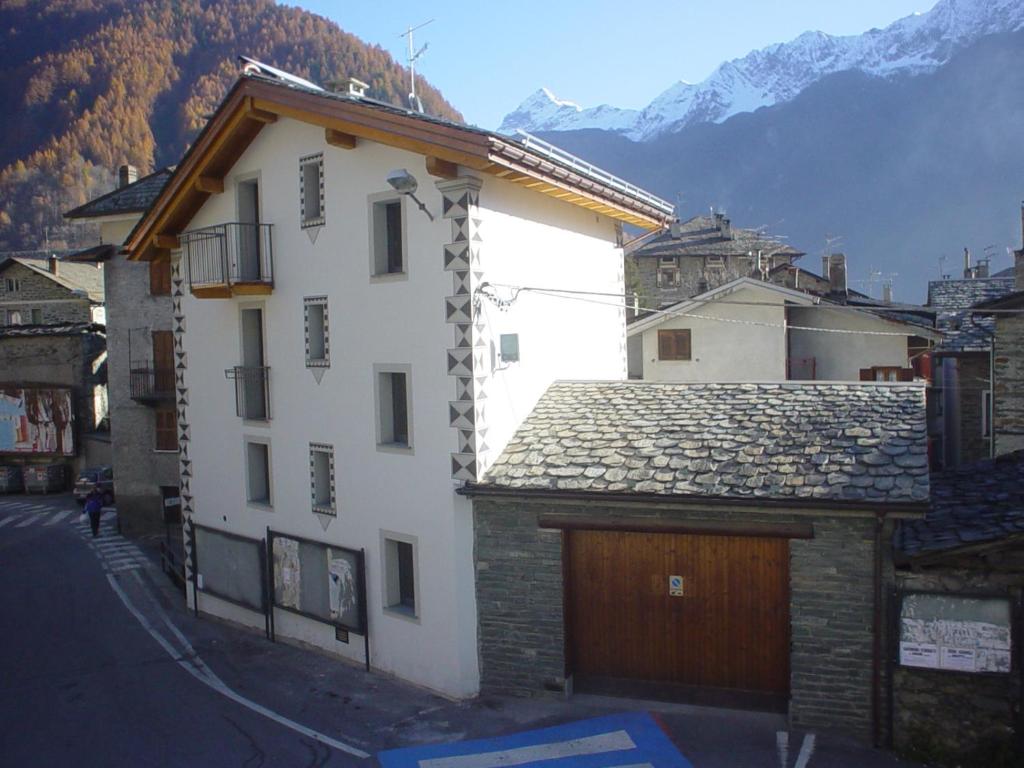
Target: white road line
782 745
588 745
806 750
222 689
58 517
27 521
7 520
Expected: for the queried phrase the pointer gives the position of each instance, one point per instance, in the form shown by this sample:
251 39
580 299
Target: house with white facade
355 338
752 330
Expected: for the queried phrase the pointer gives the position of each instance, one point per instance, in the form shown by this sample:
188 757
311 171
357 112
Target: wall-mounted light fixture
405 183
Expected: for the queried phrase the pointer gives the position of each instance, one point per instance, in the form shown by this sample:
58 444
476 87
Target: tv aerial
412 58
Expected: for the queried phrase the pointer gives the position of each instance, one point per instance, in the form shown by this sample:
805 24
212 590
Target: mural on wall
36 421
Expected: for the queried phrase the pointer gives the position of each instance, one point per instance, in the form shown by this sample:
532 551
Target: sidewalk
375 712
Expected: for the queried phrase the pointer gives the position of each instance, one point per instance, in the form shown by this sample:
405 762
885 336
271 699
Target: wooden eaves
255 102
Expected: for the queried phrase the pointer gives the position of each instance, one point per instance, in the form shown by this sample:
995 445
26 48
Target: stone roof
975 504
701 236
811 441
133 198
57 329
953 299
74 276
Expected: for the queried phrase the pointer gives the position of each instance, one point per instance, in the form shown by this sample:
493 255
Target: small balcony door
254 384
249 268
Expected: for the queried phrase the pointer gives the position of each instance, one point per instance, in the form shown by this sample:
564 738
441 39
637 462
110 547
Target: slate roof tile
726 440
952 300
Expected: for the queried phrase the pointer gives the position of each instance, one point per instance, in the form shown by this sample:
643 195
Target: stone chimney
968 272
724 225
127 174
837 273
824 266
887 292
53 265
981 268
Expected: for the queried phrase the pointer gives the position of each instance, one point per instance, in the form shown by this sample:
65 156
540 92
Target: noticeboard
321 581
955 632
37 421
230 567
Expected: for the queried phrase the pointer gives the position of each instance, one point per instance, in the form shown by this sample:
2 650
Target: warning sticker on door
675 586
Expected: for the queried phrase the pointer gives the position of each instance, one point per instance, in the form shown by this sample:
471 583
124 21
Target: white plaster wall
840 356
373 322
722 350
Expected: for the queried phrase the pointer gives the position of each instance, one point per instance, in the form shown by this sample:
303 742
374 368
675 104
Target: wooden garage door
724 642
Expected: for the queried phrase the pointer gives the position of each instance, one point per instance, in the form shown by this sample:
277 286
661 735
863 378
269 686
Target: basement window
311 190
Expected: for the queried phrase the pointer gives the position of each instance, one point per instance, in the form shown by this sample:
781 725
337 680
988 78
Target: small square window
674 344
311 190
318 348
13 285
668 277
393 408
510 347
388 238
400 576
37 317
321 477
258 473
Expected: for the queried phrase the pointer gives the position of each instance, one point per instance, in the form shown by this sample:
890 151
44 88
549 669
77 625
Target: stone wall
946 716
519 602
694 277
139 469
1008 365
56 303
973 379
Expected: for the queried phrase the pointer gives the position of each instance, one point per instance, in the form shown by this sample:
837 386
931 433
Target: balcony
252 392
234 259
149 384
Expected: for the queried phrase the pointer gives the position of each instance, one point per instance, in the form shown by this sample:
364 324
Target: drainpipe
876 662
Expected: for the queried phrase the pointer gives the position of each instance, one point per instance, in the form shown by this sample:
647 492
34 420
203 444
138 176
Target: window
257 457
13 285
986 413
393 421
674 344
160 278
387 230
714 262
400 574
318 351
166 429
311 190
14 317
668 277
37 317
321 478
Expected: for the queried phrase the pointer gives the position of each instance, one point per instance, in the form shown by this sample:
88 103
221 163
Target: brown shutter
163 361
905 374
166 429
867 374
160 278
683 344
666 345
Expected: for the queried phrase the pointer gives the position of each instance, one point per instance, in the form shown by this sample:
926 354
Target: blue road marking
632 739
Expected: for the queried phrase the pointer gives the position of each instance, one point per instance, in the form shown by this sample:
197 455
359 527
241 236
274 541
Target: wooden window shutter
905 374
163 361
166 429
867 374
666 345
674 344
160 278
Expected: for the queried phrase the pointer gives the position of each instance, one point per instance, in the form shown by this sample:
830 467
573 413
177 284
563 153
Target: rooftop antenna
831 241
414 101
942 266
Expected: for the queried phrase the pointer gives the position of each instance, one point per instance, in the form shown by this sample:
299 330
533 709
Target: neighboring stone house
962 383
350 347
722 544
139 345
960 582
47 290
692 257
751 330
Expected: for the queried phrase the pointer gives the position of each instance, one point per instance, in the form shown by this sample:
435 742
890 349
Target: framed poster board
230 567
37 421
321 581
959 633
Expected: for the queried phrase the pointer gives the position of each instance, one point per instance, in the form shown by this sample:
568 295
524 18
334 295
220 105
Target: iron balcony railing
148 383
229 254
252 392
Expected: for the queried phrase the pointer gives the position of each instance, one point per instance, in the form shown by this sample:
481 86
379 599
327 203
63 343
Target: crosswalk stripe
7 520
27 521
58 517
588 745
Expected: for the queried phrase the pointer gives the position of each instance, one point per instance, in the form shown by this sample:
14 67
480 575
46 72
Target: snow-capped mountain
913 45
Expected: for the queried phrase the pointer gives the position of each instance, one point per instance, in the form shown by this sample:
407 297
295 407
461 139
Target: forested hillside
86 85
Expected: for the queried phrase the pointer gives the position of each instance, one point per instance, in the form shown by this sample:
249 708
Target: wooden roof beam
339 139
165 241
209 185
444 169
259 115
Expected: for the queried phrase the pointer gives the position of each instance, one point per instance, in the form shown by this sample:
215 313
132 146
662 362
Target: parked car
90 478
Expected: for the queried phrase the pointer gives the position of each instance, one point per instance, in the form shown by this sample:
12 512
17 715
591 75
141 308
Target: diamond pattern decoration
458 309
460 361
461 414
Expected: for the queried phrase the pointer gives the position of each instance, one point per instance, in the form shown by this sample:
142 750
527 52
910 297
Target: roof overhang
253 103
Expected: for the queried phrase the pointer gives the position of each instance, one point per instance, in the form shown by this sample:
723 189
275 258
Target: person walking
93 508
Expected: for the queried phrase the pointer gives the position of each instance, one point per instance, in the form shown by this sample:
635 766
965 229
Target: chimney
127 174
725 227
53 265
824 266
356 87
837 273
1018 262
887 292
676 231
968 272
981 268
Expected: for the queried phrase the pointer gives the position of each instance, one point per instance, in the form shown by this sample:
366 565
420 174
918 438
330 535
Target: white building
349 354
750 330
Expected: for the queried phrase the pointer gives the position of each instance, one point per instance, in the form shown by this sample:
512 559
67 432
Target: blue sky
486 57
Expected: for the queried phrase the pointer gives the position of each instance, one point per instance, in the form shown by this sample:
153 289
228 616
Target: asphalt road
102 665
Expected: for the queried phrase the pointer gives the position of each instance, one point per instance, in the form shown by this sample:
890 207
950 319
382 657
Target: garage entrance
717 635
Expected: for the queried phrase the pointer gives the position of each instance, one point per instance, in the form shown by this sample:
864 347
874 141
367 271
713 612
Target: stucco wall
840 356
394 320
520 589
